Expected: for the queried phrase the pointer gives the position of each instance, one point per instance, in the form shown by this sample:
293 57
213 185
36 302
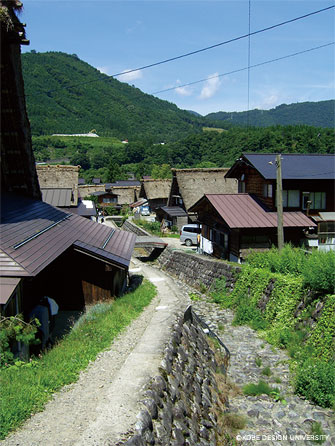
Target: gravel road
104 402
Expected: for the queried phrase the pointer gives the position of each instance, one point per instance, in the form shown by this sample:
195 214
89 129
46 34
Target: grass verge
26 388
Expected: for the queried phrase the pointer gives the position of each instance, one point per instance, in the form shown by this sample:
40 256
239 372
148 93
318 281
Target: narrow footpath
103 404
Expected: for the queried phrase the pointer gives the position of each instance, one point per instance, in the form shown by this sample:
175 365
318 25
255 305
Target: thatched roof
126 195
152 189
192 184
59 177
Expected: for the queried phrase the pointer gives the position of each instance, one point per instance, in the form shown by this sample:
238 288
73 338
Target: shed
173 216
70 258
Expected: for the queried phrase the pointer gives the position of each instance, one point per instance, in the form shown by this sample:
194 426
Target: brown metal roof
33 234
7 288
242 211
57 197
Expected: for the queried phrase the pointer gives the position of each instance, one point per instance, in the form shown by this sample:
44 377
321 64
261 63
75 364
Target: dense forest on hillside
318 114
105 157
66 95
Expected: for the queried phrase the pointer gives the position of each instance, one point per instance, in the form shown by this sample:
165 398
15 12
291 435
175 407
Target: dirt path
104 402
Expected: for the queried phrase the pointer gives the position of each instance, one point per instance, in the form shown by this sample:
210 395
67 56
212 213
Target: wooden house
232 224
308 180
156 192
45 250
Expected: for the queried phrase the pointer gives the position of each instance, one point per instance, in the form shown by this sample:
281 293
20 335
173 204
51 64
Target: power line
245 68
171 59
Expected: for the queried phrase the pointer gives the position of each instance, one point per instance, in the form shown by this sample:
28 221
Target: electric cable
171 59
244 69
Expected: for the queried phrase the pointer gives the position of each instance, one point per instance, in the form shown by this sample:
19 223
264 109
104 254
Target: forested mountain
96 101
98 156
318 114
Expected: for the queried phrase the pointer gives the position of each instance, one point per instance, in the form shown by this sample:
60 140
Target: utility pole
279 204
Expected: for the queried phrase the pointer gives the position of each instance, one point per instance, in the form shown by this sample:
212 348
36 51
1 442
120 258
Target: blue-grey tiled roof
294 166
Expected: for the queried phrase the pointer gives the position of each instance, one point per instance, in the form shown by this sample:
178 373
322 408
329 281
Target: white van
189 234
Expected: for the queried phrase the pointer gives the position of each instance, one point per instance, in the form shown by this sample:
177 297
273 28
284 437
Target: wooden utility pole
279 204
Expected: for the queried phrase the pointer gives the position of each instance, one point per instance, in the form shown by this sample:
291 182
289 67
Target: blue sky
115 36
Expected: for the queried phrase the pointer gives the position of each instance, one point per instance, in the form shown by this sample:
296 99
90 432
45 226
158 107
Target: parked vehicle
189 234
145 210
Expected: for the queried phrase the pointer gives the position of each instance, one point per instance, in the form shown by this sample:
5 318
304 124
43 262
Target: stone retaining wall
197 270
131 227
180 404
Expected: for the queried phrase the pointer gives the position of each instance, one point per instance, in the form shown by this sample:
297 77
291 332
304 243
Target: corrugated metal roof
57 197
53 231
85 208
174 211
242 211
7 287
294 166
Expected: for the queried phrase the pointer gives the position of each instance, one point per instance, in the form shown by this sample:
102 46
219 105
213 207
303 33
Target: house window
317 199
241 187
109 200
267 190
291 198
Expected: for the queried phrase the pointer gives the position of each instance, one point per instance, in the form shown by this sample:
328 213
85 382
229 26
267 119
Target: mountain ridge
67 95
316 114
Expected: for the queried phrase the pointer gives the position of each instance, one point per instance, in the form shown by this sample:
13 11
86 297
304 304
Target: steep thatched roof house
189 185
18 173
59 184
156 192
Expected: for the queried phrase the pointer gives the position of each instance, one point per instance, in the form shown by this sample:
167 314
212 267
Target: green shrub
323 336
261 388
15 329
266 371
246 313
319 271
315 380
318 433
287 261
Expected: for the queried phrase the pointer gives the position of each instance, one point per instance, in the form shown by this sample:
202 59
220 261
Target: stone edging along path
269 422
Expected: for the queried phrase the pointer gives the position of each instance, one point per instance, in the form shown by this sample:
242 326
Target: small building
232 224
45 250
189 185
127 191
156 192
172 216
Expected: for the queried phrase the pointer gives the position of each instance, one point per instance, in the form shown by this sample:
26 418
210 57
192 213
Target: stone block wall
197 270
131 227
180 404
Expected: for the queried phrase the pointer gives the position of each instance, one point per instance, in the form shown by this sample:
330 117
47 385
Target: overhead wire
244 69
191 53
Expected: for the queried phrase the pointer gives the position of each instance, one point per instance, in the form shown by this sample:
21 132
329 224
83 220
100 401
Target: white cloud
103 70
127 77
211 86
183 91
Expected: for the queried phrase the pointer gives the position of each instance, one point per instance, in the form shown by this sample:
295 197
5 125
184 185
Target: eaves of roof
242 211
33 234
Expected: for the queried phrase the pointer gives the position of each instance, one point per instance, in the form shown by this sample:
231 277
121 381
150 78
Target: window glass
293 198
